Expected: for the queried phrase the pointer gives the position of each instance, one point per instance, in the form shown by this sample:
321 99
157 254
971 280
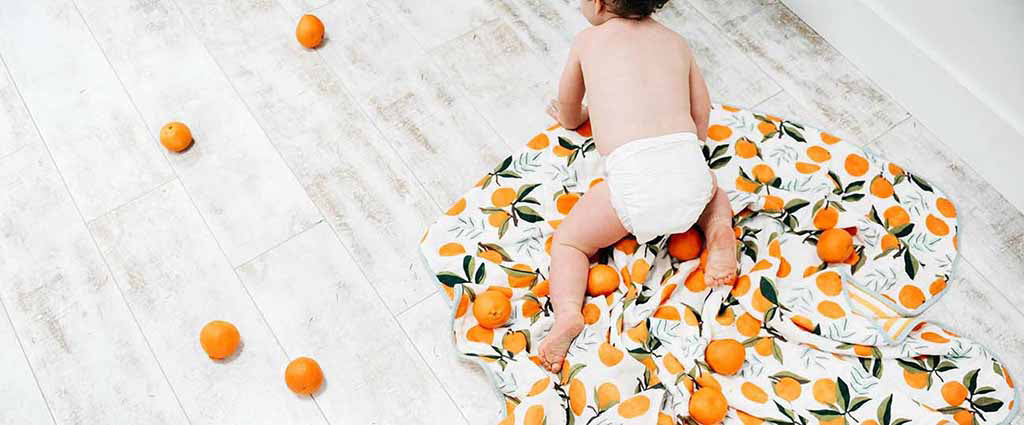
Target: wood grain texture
440 137
470 388
319 305
990 229
437 21
16 130
352 174
21 400
805 66
503 78
176 280
236 178
78 335
105 153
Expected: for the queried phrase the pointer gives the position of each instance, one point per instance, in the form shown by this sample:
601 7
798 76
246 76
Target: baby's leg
591 225
716 222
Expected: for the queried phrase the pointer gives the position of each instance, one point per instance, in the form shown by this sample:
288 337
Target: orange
530 307
719 132
666 312
863 350
607 395
175 136
881 187
303 376
219 339
638 333
492 256
831 310
759 302
491 309
609 355
856 165
628 245
964 417
766 128
934 337
787 388
747 325
634 406
937 286
763 173
748 419
725 356
917 380
829 139
835 245
896 170
566 201
741 287
754 393
672 364
514 342
539 386
896 216
602 280
463 305
803 322
595 182
687 245
825 391
730 108
954 393
764 347
746 185
503 197
911 297
534 415
773 203
745 148
457 207
562 152
577 396
640 270
695 281
708 406
450 249
541 289
585 130
310 31
936 225
539 142
591 313
521 281
829 283
707 380
818 154
498 218
945 207
807 168
889 241
480 334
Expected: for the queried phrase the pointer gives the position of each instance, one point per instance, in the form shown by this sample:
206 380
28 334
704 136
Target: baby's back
637 81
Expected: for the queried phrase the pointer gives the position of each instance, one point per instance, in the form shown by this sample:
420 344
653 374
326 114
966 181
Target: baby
648 106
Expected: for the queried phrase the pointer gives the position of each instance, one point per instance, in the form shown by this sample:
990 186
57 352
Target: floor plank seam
996 289
24 354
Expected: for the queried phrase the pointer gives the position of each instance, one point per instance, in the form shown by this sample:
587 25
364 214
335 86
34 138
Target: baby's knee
567 239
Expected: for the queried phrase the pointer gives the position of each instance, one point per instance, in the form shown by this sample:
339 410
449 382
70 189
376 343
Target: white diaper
659 185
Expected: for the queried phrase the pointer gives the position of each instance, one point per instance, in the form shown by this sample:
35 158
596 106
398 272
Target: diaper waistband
649 143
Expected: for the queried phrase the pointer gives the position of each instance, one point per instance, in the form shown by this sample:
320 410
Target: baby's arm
700 101
568 107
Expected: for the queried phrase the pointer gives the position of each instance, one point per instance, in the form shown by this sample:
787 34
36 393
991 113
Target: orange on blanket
602 280
219 339
310 31
492 309
725 356
708 406
687 245
303 376
835 245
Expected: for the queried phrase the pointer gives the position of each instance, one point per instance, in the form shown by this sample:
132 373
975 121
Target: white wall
956 65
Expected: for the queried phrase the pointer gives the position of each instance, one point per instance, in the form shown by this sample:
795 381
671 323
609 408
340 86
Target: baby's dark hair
634 8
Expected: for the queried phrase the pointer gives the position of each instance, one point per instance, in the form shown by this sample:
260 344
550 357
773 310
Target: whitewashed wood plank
360 185
236 178
783 105
991 230
21 401
506 81
548 26
16 130
88 355
319 305
95 136
437 21
439 136
731 76
805 66
176 280
427 323
302 7
976 309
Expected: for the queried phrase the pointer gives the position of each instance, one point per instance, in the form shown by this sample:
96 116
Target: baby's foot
721 267
556 344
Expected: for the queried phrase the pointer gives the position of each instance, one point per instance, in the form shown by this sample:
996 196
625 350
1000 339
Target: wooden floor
296 214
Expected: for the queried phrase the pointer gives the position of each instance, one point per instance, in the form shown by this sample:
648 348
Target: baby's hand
554 111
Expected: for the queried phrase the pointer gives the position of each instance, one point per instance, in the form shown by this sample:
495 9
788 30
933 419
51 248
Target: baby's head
599 11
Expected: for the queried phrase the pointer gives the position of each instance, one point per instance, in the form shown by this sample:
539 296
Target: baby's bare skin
640 80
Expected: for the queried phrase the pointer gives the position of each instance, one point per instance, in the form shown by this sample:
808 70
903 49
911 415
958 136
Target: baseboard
932 94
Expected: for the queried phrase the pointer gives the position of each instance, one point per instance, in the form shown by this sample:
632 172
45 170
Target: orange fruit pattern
826 331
